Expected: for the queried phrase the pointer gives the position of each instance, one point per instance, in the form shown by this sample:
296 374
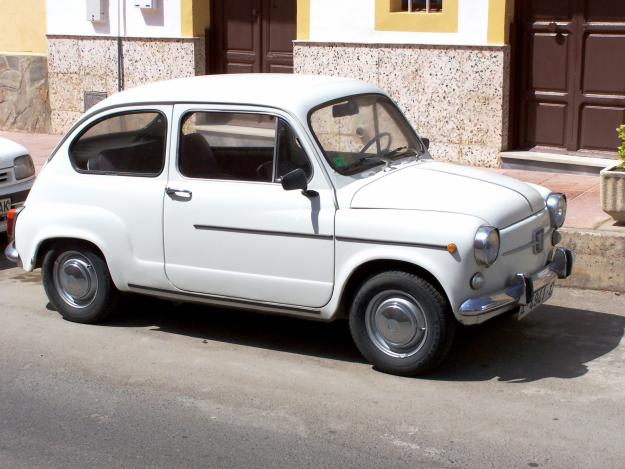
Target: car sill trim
226 300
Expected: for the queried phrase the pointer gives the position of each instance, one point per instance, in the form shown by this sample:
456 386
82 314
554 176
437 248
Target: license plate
540 296
5 206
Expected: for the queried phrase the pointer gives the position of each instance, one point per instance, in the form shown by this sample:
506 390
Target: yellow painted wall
23 26
194 17
303 19
500 15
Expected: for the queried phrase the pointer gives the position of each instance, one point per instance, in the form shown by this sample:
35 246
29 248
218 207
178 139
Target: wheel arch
375 266
45 245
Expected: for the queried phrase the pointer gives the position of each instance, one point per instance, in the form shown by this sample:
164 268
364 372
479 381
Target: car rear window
132 144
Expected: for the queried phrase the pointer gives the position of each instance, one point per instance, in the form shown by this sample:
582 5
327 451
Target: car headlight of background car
23 167
556 203
486 245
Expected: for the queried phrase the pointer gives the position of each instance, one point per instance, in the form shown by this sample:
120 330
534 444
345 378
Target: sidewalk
598 242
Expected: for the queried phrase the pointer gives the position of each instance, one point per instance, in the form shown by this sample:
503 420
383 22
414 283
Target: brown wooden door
573 83
250 36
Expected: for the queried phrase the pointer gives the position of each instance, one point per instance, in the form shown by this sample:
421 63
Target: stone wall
455 95
89 63
24 93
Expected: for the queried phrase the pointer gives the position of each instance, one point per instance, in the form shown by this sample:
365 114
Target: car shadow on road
553 342
313 338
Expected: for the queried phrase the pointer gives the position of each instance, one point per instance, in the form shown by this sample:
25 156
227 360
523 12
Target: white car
17 173
300 195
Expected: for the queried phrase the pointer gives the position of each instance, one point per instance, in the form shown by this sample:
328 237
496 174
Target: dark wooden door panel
547 123
549 67
573 74
604 64
549 10
598 124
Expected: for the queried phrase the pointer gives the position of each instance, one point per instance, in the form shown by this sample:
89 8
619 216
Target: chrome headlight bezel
486 245
556 204
23 167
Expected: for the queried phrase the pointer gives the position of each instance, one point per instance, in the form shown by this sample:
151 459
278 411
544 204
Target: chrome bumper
522 287
11 253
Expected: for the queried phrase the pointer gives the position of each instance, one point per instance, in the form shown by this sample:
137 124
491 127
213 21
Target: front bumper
521 289
17 195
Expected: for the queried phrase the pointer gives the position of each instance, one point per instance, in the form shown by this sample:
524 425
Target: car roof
295 93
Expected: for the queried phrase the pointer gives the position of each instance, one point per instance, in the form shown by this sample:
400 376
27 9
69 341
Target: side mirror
426 142
296 179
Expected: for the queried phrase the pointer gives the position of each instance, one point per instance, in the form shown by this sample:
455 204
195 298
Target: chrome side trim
11 253
393 243
521 288
224 300
264 232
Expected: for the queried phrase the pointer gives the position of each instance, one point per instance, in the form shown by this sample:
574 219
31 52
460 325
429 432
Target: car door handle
180 193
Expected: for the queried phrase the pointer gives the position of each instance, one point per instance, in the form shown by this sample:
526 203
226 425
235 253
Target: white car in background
301 195
17 174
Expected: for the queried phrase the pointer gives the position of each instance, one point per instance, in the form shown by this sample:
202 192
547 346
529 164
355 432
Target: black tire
386 342
93 306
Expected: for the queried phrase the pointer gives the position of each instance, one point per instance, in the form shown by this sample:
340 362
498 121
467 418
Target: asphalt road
187 386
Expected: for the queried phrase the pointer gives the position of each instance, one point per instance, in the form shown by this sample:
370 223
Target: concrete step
554 162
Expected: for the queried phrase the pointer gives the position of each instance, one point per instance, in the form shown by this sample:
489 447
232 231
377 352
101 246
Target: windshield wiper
389 156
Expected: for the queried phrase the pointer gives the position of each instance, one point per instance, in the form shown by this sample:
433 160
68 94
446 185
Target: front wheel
77 282
401 323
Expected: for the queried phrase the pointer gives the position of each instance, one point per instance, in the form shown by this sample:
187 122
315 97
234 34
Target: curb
600 259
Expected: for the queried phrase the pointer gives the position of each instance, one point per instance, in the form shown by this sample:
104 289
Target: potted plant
613 183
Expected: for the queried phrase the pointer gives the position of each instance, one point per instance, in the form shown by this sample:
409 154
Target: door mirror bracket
296 179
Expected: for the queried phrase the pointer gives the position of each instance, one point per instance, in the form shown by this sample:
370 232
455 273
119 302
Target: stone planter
613 192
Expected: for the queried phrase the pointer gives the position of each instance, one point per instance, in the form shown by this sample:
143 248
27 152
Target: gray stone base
24 93
78 64
456 96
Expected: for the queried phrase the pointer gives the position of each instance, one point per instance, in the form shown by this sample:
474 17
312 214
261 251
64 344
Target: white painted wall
70 17
354 21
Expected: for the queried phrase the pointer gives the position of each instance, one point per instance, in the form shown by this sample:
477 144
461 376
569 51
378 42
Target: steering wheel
376 138
263 170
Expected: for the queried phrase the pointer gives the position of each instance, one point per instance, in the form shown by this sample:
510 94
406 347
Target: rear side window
226 145
131 144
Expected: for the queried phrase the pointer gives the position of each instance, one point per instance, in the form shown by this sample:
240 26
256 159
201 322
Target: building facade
485 80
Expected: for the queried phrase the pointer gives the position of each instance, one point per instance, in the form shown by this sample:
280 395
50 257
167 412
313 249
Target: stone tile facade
89 63
24 93
455 95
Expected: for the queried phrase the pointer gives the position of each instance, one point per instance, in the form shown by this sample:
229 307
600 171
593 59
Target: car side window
291 154
132 144
227 145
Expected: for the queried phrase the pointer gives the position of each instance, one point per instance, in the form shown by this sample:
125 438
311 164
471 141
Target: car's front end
17 174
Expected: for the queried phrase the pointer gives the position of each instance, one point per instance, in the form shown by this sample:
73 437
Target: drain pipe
120 58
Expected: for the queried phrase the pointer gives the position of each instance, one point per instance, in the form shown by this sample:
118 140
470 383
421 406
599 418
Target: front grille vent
4 176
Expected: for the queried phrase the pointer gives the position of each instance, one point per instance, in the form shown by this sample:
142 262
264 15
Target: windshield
362 131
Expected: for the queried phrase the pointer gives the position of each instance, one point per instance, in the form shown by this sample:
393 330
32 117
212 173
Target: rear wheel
401 323
77 282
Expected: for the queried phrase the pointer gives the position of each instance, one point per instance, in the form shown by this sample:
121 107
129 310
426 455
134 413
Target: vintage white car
302 195
17 173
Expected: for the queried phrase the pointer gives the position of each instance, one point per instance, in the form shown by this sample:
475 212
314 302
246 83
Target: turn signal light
452 248
11 217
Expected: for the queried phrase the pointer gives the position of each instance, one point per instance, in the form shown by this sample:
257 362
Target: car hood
498 200
9 150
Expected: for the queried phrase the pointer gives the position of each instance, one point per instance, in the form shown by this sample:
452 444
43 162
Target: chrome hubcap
75 279
396 323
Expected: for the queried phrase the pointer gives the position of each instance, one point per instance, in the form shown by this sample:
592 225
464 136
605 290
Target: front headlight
23 166
556 203
486 245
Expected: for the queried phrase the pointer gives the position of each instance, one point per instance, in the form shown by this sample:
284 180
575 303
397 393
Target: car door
230 229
